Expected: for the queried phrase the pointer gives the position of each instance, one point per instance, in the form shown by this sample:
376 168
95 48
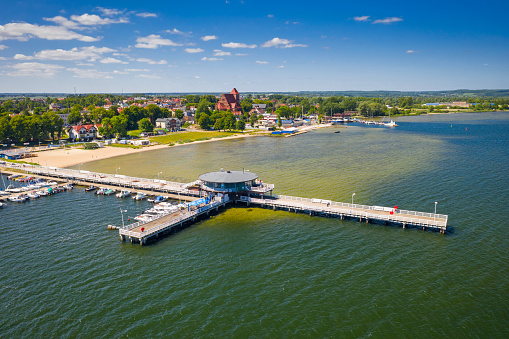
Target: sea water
250 272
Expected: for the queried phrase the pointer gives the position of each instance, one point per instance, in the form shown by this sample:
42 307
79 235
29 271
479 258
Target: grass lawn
134 132
185 137
124 146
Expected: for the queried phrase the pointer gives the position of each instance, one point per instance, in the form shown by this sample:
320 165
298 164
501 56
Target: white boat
4 193
144 217
123 194
139 196
2 205
19 198
101 190
33 195
13 189
391 124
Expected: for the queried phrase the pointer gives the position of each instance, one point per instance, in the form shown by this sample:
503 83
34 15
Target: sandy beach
75 156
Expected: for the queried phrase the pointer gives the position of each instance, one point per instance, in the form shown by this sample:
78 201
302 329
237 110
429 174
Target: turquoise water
260 273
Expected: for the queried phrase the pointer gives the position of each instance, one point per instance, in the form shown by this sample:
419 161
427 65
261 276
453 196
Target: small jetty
215 190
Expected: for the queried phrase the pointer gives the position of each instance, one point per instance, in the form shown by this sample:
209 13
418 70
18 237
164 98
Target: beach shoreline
77 156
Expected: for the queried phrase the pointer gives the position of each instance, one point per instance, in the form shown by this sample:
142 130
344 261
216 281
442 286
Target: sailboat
391 123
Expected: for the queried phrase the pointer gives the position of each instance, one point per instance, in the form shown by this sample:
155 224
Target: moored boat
139 196
90 188
123 194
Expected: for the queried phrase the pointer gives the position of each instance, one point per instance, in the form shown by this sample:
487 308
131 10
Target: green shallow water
249 272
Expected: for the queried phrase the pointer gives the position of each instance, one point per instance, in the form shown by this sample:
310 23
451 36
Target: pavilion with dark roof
228 181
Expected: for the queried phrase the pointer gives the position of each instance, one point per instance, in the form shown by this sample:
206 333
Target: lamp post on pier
122 213
352 198
435 215
158 175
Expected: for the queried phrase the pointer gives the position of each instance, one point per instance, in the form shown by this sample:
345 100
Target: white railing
167 224
365 207
354 212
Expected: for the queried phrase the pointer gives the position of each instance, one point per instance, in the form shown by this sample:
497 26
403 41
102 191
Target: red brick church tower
230 102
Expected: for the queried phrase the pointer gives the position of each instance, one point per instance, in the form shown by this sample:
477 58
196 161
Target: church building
230 102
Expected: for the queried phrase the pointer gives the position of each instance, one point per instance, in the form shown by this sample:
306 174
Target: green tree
219 124
146 125
5 128
154 112
74 118
119 125
204 122
179 114
240 125
253 119
279 122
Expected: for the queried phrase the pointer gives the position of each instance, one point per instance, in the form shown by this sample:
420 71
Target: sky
252 45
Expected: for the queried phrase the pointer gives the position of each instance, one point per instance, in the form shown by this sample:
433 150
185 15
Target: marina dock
221 188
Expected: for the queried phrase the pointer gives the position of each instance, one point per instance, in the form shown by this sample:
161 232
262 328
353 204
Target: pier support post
404 225
122 239
341 215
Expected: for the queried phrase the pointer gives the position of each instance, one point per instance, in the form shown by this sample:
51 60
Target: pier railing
355 210
364 207
182 218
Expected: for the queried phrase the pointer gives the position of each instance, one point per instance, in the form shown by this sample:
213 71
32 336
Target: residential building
83 132
171 124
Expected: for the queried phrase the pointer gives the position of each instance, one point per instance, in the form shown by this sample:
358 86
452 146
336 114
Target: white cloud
84 64
211 59
361 18
34 69
149 76
146 15
95 20
112 61
24 32
136 70
2 47
92 53
262 62
89 73
387 20
241 54
197 77
237 45
60 20
208 37
270 15
176 31
218 52
3 58
280 66
153 41
109 11
152 62
193 50
281 43
410 51
120 72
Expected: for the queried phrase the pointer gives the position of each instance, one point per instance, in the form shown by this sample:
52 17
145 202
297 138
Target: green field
185 137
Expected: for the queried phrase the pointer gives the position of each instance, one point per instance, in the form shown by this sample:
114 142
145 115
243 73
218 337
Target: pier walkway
175 190
143 231
343 210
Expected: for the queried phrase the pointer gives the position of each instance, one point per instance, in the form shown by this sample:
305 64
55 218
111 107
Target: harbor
215 190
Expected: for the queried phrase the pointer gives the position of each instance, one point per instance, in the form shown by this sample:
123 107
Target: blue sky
212 46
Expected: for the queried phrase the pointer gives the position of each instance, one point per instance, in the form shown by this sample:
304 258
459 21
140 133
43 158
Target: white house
83 132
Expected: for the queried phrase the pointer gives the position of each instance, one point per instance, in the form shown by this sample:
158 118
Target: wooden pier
366 213
144 231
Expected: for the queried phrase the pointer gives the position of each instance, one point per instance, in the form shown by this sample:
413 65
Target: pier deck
361 212
143 231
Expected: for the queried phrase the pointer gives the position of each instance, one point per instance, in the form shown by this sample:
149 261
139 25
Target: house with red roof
230 102
83 132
